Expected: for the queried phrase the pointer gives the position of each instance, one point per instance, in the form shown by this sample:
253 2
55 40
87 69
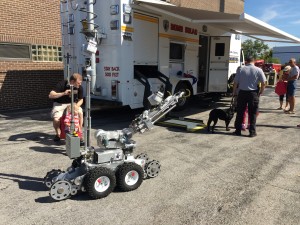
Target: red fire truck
270 69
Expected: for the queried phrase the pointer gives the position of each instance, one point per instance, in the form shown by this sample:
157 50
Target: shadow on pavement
32 136
276 126
40 138
25 182
38 114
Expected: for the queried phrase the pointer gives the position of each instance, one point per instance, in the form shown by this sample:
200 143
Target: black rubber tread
51 174
91 178
121 173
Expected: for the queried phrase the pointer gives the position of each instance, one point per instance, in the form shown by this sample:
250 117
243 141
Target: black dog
221 114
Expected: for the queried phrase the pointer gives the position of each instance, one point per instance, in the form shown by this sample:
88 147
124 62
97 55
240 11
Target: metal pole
91 27
68 67
87 118
72 127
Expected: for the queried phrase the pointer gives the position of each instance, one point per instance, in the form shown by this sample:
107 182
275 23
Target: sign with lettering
111 71
180 28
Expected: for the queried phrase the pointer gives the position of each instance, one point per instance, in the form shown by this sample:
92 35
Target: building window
176 52
14 51
46 53
176 59
220 49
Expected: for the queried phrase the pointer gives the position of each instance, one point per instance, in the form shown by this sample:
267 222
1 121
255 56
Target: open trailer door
218 64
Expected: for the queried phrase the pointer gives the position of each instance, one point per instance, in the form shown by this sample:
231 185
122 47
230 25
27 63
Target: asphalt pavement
205 178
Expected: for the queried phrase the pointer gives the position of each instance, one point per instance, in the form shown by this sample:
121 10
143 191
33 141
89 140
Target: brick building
30 53
226 6
30 48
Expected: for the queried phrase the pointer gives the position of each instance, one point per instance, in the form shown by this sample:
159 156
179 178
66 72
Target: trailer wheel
99 182
184 101
129 176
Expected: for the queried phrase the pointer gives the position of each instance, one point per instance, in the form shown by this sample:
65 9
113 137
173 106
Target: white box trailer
134 48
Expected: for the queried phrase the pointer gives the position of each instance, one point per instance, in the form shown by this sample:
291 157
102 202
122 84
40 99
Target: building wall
25 84
226 6
27 89
234 6
284 53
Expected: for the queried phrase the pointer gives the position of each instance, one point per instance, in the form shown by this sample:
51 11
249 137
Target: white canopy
243 24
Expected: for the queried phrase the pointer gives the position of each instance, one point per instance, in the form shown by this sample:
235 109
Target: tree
255 48
259 50
276 60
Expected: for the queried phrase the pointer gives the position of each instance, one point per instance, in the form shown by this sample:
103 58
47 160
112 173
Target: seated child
78 121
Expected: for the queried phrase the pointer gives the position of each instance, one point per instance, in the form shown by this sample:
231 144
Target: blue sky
282 14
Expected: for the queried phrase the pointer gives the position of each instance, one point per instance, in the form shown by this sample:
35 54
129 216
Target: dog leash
233 103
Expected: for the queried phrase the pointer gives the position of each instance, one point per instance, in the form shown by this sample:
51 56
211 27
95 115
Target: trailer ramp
190 125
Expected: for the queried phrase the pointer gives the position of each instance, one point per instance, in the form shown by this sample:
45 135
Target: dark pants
251 99
281 97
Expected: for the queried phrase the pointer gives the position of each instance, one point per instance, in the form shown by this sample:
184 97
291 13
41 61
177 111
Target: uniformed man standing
247 80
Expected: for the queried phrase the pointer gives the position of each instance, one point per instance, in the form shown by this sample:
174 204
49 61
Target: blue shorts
291 87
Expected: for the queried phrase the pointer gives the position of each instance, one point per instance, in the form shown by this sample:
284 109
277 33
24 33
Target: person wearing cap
284 73
247 79
292 85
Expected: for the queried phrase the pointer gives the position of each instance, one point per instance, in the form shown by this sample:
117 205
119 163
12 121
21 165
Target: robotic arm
115 139
161 107
145 121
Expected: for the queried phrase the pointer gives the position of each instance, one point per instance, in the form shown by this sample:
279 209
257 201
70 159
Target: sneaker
298 125
252 135
56 138
279 108
243 126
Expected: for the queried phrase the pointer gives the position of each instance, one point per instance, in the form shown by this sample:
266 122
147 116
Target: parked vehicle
268 67
137 52
271 70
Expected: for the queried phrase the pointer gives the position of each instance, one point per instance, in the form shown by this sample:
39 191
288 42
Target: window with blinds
14 51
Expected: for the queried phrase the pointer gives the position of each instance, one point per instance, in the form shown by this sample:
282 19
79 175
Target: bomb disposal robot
99 170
